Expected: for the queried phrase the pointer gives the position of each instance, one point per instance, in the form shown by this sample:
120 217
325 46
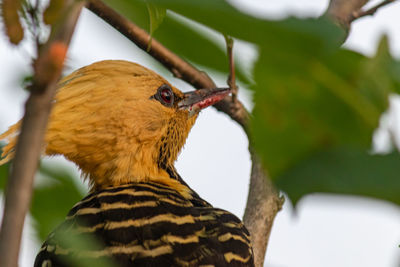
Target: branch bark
47 69
369 12
263 200
344 12
341 11
263 203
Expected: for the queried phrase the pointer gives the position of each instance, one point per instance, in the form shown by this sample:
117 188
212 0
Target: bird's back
146 224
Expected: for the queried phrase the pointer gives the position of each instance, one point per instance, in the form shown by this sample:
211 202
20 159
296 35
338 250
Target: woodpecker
123 125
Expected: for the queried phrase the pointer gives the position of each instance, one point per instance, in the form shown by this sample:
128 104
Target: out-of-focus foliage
64 238
343 170
53 11
156 16
52 198
3 176
323 104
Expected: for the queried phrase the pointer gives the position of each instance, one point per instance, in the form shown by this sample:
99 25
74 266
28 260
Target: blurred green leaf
65 236
52 201
308 104
345 171
157 15
224 18
135 10
383 68
3 176
53 11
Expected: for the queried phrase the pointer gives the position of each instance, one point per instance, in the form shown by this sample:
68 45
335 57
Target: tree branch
47 69
263 202
344 12
341 11
369 12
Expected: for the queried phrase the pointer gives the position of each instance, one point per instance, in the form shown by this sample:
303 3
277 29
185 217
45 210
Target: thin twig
47 69
369 12
232 76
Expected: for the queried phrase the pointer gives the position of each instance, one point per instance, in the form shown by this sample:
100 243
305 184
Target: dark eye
165 95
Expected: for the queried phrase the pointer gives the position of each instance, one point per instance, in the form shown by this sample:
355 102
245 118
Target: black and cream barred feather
147 224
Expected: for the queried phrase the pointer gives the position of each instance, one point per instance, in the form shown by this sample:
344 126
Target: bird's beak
197 100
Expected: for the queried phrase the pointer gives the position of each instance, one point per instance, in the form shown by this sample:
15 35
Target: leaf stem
232 77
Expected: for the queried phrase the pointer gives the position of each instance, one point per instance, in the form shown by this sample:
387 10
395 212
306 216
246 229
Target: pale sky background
325 231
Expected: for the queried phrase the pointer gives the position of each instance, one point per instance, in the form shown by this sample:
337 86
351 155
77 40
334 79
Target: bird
124 125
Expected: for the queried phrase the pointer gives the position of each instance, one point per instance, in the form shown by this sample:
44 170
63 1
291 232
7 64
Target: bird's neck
113 158
144 162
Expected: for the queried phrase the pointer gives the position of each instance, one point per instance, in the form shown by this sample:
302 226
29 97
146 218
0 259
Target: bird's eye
165 95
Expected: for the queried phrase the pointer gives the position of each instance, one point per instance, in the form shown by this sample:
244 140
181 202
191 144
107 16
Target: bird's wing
146 225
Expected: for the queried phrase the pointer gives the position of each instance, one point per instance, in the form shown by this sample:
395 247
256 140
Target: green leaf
52 201
315 106
224 18
3 176
157 15
135 10
345 171
65 236
53 11
3 171
383 68
307 102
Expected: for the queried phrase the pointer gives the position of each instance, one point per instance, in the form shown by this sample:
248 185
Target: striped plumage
148 224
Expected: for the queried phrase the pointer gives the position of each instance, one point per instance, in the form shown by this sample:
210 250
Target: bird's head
120 123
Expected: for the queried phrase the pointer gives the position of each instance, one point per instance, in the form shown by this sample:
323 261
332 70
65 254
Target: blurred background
323 230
